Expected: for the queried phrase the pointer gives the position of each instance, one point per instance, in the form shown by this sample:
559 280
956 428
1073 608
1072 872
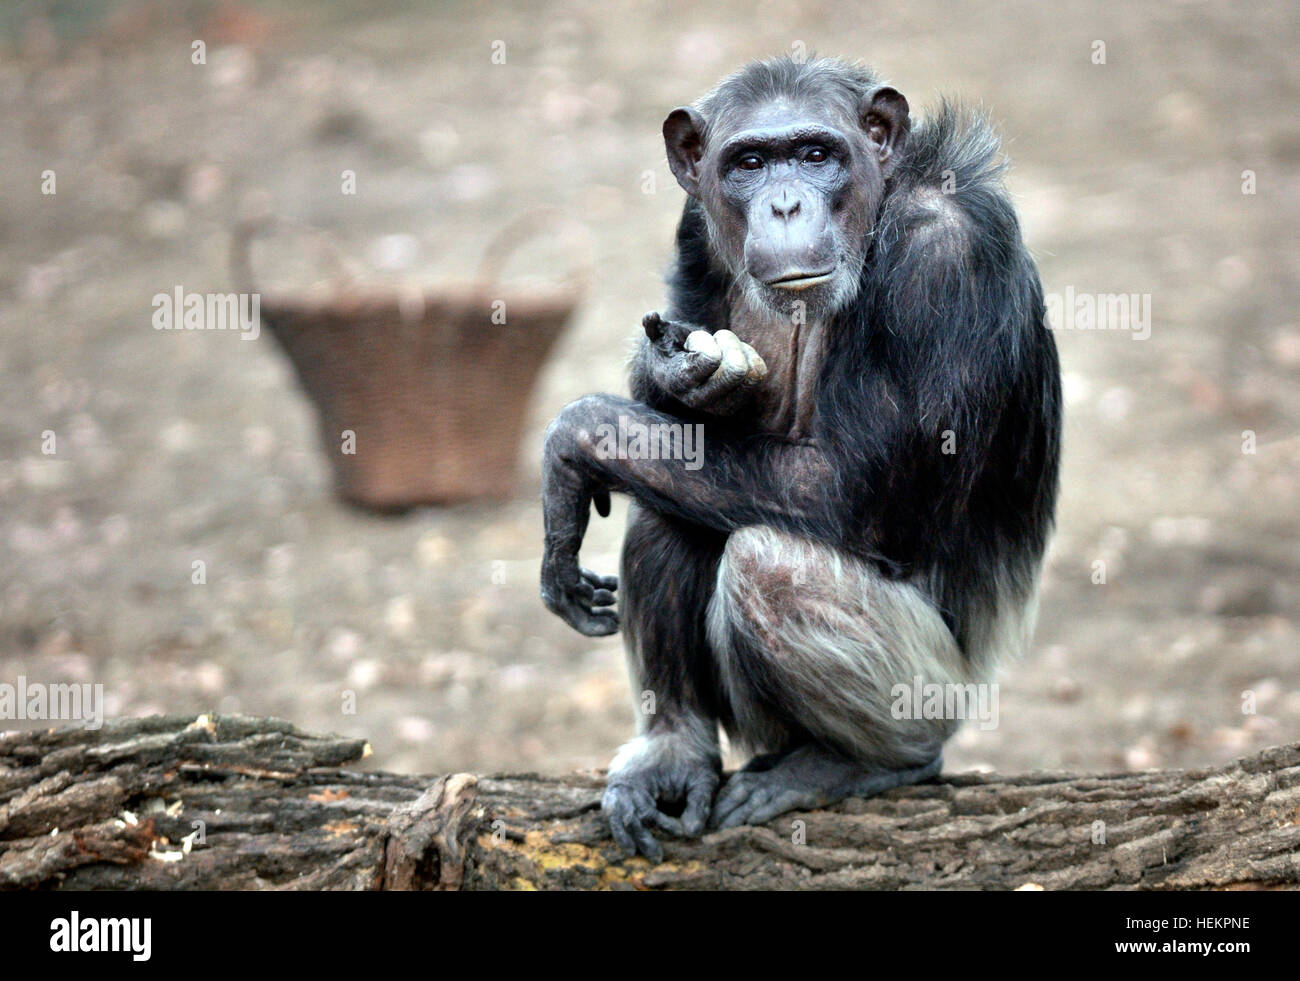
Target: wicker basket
434 392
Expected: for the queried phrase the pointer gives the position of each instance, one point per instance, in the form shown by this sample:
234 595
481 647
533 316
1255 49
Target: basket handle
498 250
528 226
343 271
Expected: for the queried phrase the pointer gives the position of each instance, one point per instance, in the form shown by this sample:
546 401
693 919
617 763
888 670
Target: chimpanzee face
790 190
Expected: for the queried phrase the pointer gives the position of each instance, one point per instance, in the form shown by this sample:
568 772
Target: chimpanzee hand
709 372
674 766
578 596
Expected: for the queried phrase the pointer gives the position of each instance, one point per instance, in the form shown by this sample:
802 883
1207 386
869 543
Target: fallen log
231 802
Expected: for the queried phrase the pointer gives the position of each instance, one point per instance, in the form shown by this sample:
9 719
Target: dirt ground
174 447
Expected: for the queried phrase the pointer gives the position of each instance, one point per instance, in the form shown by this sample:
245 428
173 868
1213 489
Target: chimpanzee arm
732 482
728 481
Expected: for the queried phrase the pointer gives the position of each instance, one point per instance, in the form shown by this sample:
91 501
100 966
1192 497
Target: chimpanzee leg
810 645
668 573
673 765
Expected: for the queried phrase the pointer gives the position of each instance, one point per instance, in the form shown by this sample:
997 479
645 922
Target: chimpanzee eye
750 161
817 155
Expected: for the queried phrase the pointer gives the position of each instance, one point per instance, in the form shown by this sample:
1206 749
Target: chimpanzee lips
800 280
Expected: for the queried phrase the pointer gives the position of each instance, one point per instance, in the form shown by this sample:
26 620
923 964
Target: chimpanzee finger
654 325
732 367
588 595
757 367
734 357
620 817
622 836
658 819
596 579
775 806
703 355
733 795
645 842
628 808
596 623
699 800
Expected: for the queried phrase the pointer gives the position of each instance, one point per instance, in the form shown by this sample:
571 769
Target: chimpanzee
856 324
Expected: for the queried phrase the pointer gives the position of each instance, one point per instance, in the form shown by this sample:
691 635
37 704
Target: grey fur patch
835 637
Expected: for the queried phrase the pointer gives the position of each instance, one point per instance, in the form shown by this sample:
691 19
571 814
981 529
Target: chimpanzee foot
680 767
805 778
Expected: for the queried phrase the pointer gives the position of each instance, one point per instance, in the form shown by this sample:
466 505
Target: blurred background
456 118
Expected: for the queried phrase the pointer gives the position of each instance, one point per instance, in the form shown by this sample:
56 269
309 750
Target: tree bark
230 802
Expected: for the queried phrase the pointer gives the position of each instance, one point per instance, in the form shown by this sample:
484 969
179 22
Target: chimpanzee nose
785 206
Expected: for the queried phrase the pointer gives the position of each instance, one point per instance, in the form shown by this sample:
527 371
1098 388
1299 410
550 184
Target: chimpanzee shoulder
948 189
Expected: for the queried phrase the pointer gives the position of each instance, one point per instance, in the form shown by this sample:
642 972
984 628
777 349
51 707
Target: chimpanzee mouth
800 280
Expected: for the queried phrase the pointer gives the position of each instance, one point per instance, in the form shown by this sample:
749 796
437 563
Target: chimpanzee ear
885 118
684 140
